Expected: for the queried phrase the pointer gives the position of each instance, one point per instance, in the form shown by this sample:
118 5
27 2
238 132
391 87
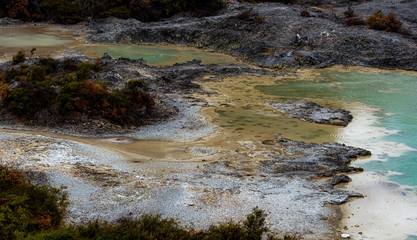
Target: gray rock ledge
313 112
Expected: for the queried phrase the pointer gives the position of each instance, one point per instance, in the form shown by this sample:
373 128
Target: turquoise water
158 55
392 93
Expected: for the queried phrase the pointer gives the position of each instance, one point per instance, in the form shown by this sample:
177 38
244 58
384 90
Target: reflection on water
158 55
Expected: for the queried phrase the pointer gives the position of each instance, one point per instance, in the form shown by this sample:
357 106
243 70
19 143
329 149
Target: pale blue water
392 92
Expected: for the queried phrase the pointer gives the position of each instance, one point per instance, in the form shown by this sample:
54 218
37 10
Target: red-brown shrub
305 13
380 22
355 21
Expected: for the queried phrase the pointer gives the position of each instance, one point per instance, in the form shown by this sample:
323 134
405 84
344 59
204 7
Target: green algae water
388 113
158 55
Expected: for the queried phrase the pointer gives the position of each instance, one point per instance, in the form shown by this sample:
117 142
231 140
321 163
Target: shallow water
383 104
11 38
158 55
47 40
391 98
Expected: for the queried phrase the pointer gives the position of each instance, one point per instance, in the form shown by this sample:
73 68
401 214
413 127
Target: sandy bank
388 210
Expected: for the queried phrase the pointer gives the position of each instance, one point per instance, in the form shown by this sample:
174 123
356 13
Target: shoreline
217 172
351 182
361 221
366 218
247 143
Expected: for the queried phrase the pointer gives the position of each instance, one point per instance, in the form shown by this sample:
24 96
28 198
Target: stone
345 236
313 112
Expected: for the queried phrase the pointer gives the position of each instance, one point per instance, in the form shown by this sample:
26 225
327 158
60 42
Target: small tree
255 224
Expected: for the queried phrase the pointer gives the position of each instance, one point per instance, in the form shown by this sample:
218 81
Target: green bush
43 87
19 57
74 11
62 11
27 208
33 212
153 227
26 101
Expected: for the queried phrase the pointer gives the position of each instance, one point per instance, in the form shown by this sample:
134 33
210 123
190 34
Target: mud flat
102 184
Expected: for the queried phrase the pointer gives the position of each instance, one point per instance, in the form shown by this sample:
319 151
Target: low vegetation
352 19
67 89
305 13
73 11
30 211
377 21
25 207
251 16
389 23
279 1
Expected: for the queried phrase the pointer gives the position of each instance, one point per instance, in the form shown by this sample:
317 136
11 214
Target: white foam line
388 210
363 132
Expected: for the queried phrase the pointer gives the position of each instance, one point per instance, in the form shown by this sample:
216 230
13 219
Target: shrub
19 57
29 99
154 227
255 224
42 87
388 23
18 9
26 208
305 13
352 21
349 13
4 91
120 12
62 11
84 70
280 1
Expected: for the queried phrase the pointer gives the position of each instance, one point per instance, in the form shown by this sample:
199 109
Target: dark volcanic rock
275 35
312 112
312 159
339 179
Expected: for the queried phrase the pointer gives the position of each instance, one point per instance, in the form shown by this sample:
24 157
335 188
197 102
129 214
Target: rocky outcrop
313 112
312 159
277 36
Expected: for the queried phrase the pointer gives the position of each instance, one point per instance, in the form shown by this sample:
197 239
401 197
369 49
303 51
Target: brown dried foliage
18 9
